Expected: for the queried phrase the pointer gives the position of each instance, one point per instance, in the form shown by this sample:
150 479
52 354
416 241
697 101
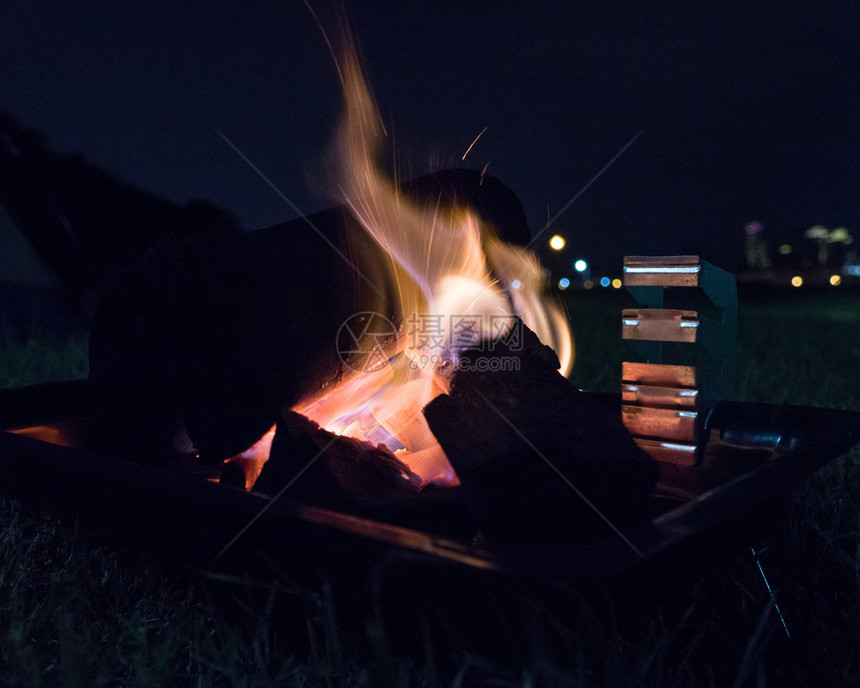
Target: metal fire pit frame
752 453
662 401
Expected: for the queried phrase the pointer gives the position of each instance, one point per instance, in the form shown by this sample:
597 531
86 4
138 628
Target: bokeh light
563 283
557 243
605 281
835 280
580 265
797 281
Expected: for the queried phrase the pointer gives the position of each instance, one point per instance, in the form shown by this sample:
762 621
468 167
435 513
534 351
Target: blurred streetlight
557 243
584 270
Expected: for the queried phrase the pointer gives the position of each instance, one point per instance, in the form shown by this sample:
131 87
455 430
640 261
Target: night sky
746 110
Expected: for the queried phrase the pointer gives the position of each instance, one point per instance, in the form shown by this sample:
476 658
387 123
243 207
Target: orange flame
463 281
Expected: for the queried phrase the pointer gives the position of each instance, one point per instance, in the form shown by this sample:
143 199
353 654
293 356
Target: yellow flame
450 271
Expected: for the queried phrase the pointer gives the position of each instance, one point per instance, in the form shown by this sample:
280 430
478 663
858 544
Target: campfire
372 357
458 287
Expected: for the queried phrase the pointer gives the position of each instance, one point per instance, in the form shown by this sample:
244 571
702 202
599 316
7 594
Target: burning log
218 335
324 469
546 459
537 458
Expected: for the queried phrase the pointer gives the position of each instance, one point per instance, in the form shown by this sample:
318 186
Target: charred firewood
218 334
324 469
534 448
529 448
313 466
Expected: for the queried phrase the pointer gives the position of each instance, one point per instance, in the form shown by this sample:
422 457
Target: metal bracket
663 404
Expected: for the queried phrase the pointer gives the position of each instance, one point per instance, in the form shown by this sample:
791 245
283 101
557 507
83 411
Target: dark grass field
78 607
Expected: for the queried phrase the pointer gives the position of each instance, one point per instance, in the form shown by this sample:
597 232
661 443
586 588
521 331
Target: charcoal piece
328 470
217 333
523 437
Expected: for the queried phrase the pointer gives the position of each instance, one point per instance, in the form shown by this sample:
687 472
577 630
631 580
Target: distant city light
557 243
835 280
853 270
840 234
588 284
617 283
605 281
563 283
516 284
753 227
817 232
580 265
785 249
796 281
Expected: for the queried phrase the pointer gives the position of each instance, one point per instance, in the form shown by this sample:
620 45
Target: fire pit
59 448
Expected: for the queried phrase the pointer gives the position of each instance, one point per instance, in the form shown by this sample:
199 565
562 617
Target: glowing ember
459 287
251 460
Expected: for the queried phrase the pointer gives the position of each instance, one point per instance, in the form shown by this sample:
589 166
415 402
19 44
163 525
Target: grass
85 614
79 608
27 361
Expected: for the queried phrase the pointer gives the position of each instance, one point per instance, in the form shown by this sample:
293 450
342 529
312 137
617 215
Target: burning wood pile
393 357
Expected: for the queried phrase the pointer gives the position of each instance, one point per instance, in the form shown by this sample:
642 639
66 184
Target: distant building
757 255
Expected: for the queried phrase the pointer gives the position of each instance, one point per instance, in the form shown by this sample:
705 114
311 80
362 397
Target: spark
471 145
